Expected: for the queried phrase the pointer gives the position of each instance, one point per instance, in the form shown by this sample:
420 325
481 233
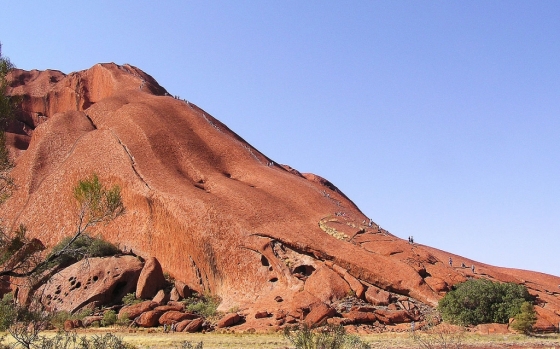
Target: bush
130 299
525 320
109 318
205 305
328 337
8 312
70 340
482 301
84 246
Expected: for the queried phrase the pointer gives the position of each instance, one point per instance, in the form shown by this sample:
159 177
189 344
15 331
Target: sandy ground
159 340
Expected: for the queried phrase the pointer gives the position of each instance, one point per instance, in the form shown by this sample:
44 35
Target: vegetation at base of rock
482 301
328 337
205 305
83 246
130 299
57 318
525 320
7 311
109 318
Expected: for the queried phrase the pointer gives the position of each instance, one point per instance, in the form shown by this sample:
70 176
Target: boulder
134 310
183 290
319 314
93 282
174 295
180 327
151 279
339 321
436 284
177 304
149 318
228 320
327 285
303 301
170 307
194 325
72 324
393 316
88 320
262 314
161 297
360 317
377 296
355 284
173 316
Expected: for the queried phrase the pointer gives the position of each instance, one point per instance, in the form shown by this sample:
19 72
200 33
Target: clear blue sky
440 119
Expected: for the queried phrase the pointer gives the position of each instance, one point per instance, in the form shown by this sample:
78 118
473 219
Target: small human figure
412 324
412 239
173 325
409 240
164 328
463 265
450 262
472 268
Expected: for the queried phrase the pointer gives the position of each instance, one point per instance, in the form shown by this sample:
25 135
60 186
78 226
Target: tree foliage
482 301
95 204
8 105
328 337
525 320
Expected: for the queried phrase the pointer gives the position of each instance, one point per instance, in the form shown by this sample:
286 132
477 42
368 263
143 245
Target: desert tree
95 204
7 108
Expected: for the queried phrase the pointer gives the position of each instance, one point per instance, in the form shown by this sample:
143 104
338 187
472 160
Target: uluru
218 215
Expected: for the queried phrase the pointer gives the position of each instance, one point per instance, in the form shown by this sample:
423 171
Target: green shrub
482 301
70 340
109 318
130 299
84 246
204 305
58 318
8 312
525 320
189 345
328 337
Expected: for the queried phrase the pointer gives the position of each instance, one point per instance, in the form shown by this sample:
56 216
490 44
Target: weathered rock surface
180 327
218 215
228 320
134 310
377 296
161 297
194 325
173 316
327 285
151 279
319 314
149 318
93 282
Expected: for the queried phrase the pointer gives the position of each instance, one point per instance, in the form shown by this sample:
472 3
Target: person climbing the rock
463 265
450 262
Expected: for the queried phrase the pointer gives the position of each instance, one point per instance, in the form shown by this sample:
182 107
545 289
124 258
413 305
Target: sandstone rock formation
218 215
92 282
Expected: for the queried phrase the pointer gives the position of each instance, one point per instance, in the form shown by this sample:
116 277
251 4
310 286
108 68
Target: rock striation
219 216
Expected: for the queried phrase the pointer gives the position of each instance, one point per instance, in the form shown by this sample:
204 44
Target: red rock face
219 216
